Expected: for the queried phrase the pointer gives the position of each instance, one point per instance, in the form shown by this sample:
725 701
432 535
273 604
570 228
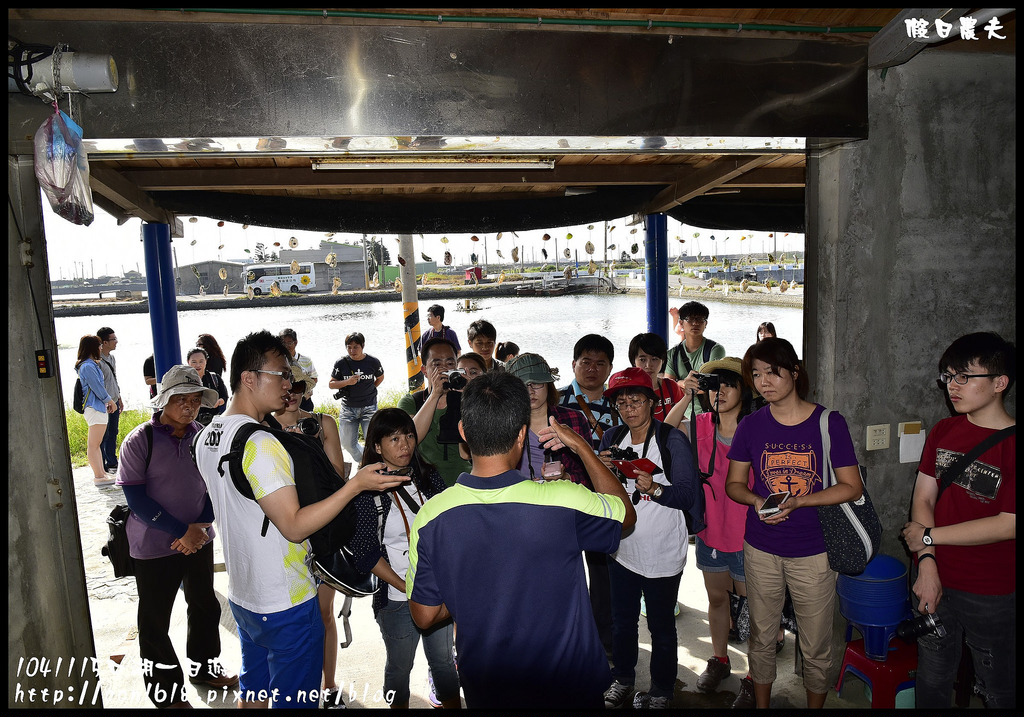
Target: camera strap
960 465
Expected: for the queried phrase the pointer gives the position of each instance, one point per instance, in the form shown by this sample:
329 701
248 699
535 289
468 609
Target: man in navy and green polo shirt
502 555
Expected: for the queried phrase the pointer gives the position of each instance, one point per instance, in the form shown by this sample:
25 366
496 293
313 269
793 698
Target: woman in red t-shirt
650 353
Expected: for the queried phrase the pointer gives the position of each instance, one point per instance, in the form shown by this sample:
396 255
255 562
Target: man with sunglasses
694 350
271 591
963 529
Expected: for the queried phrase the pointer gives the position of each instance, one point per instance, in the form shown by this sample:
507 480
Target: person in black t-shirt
355 378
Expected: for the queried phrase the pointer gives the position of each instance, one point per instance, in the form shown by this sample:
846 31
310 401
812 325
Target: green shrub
78 431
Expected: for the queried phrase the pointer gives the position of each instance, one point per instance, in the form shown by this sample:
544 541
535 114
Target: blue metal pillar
656 274
163 307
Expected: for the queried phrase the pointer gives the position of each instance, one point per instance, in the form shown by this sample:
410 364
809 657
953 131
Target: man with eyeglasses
694 350
108 448
963 529
435 412
271 591
592 358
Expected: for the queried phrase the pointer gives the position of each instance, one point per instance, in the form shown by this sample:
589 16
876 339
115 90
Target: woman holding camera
782 442
537 462
381 547
294 419
650 560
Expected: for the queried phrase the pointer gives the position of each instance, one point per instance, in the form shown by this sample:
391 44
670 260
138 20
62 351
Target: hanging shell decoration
501 277
293 242
544 252
569 235
633 230
611 228
249 291
589 247
546 237
277 243
696 234
634 249
425 258
611 247
225 290
398 285
771 236
681 241
329 234
335 285
331 260
771 259
193 220
444 240
590 227
196 272
783 286
220 247
515 253
566 253
498 237
447 258
294 267
275 289
220 224
223 274
473 259
247 251
401 261
474 238
192 243
500 255
591 267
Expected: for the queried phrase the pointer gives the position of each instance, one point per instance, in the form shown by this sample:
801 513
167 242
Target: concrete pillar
410 311
48 608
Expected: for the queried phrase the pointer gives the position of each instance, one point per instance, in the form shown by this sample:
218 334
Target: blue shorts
710 560
282 655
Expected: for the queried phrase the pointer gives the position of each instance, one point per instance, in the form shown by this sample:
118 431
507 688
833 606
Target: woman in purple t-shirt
782 443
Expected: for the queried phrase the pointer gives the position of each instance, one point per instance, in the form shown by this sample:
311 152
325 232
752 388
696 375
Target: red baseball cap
632 377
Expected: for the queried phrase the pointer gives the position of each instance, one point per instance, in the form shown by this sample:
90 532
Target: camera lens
309 426
910 630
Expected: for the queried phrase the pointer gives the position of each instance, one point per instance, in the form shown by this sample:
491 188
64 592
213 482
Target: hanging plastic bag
62 168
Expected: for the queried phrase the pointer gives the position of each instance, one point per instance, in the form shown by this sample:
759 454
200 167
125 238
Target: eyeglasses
536 387
963 378
298 387
624 403
286 375
695 320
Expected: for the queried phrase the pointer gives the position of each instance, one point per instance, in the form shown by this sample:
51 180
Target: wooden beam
164 180
699 182
891 45
769 177
121 192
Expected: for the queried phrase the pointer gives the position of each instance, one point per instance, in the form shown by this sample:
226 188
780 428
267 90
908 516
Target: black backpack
315 479
695 513
78 397
116 547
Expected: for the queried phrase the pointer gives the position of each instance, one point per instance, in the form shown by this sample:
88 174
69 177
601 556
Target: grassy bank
78 431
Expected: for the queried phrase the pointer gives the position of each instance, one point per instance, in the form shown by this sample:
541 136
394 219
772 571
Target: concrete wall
911 244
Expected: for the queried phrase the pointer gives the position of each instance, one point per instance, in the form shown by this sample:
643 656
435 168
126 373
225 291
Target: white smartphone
773 503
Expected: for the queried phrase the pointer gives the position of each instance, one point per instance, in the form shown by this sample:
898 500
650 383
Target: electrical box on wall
877 437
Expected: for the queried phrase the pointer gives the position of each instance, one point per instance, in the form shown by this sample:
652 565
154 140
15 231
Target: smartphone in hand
773 503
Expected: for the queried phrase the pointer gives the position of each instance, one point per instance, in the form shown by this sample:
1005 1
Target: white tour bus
262 276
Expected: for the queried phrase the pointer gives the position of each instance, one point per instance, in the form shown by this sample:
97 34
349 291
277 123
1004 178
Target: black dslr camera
708 381
910 630
623 454
455 380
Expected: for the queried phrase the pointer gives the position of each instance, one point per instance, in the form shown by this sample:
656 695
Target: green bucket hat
532 368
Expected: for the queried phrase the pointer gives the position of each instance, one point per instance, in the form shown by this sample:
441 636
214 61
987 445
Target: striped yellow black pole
410 312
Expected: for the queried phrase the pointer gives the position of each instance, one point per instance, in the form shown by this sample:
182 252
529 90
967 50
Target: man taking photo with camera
355 378
435 413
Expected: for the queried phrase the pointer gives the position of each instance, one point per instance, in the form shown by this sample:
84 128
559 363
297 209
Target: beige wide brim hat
183 379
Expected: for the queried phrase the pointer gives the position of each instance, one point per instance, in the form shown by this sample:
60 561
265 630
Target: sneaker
745 698
647 701
617 695
432 696
333 699
712 677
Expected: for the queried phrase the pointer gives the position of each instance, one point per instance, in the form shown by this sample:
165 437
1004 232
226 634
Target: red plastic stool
898 671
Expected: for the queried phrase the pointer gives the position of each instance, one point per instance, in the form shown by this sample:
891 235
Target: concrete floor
113 605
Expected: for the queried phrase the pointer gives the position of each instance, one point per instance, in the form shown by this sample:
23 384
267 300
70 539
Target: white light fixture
408 163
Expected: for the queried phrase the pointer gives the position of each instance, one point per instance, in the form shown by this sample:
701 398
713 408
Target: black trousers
600 595
158 580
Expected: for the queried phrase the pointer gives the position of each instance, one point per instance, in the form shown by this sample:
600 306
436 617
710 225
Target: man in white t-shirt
271 592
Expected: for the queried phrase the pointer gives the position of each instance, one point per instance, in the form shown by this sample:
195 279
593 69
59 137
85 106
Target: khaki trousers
813 588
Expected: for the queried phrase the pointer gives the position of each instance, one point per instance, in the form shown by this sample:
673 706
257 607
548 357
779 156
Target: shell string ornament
294 267
589 247
447 258
331 260
515 254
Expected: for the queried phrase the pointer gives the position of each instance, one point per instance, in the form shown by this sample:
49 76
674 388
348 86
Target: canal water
549 326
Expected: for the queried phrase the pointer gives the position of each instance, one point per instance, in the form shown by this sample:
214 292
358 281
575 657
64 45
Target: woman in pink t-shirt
719 547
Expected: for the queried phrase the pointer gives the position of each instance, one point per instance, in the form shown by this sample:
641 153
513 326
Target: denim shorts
710 560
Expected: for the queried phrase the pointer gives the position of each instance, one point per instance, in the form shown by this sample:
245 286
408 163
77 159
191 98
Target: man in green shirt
435 412
689 355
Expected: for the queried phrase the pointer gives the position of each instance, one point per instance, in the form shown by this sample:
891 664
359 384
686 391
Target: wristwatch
658 490
927 537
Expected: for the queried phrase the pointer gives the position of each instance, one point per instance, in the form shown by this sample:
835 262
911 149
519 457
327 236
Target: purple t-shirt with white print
789 458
